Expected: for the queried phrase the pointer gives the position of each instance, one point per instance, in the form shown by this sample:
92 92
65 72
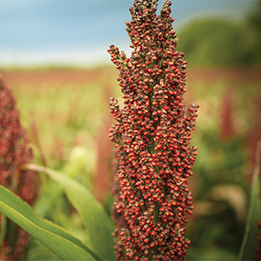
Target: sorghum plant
152 136
14 151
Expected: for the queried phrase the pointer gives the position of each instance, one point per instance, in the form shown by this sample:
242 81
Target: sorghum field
66 113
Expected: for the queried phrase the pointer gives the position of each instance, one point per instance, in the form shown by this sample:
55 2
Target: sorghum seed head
152 136
14 151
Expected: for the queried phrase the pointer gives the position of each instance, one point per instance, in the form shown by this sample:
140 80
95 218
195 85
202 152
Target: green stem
3 229
156 213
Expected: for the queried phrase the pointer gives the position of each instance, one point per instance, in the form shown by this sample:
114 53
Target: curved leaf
247 249
95 219
57 239
38 252
77 161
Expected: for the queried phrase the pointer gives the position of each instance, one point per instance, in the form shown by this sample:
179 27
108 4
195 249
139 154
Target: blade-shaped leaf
57 239
71 168
247 250
38 252
95 219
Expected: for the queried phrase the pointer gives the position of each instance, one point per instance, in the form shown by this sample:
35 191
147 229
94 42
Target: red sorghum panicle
14 151
152 135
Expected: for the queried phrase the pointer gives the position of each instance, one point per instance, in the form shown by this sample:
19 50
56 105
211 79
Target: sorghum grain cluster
152 135
14 151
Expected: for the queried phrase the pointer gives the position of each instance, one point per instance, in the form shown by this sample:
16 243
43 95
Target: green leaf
247 249
38 252
79 157
98 225
57 239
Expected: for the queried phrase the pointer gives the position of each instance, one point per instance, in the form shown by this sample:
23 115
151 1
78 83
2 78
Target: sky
79 32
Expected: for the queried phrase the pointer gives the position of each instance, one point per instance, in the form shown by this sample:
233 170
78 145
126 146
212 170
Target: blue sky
36 32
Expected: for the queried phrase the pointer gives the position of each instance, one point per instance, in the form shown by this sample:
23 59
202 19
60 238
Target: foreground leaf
77 161
38 252
95 219
247 250
57 239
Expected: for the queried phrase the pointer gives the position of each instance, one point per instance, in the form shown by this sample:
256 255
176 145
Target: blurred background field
66 113
65 110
